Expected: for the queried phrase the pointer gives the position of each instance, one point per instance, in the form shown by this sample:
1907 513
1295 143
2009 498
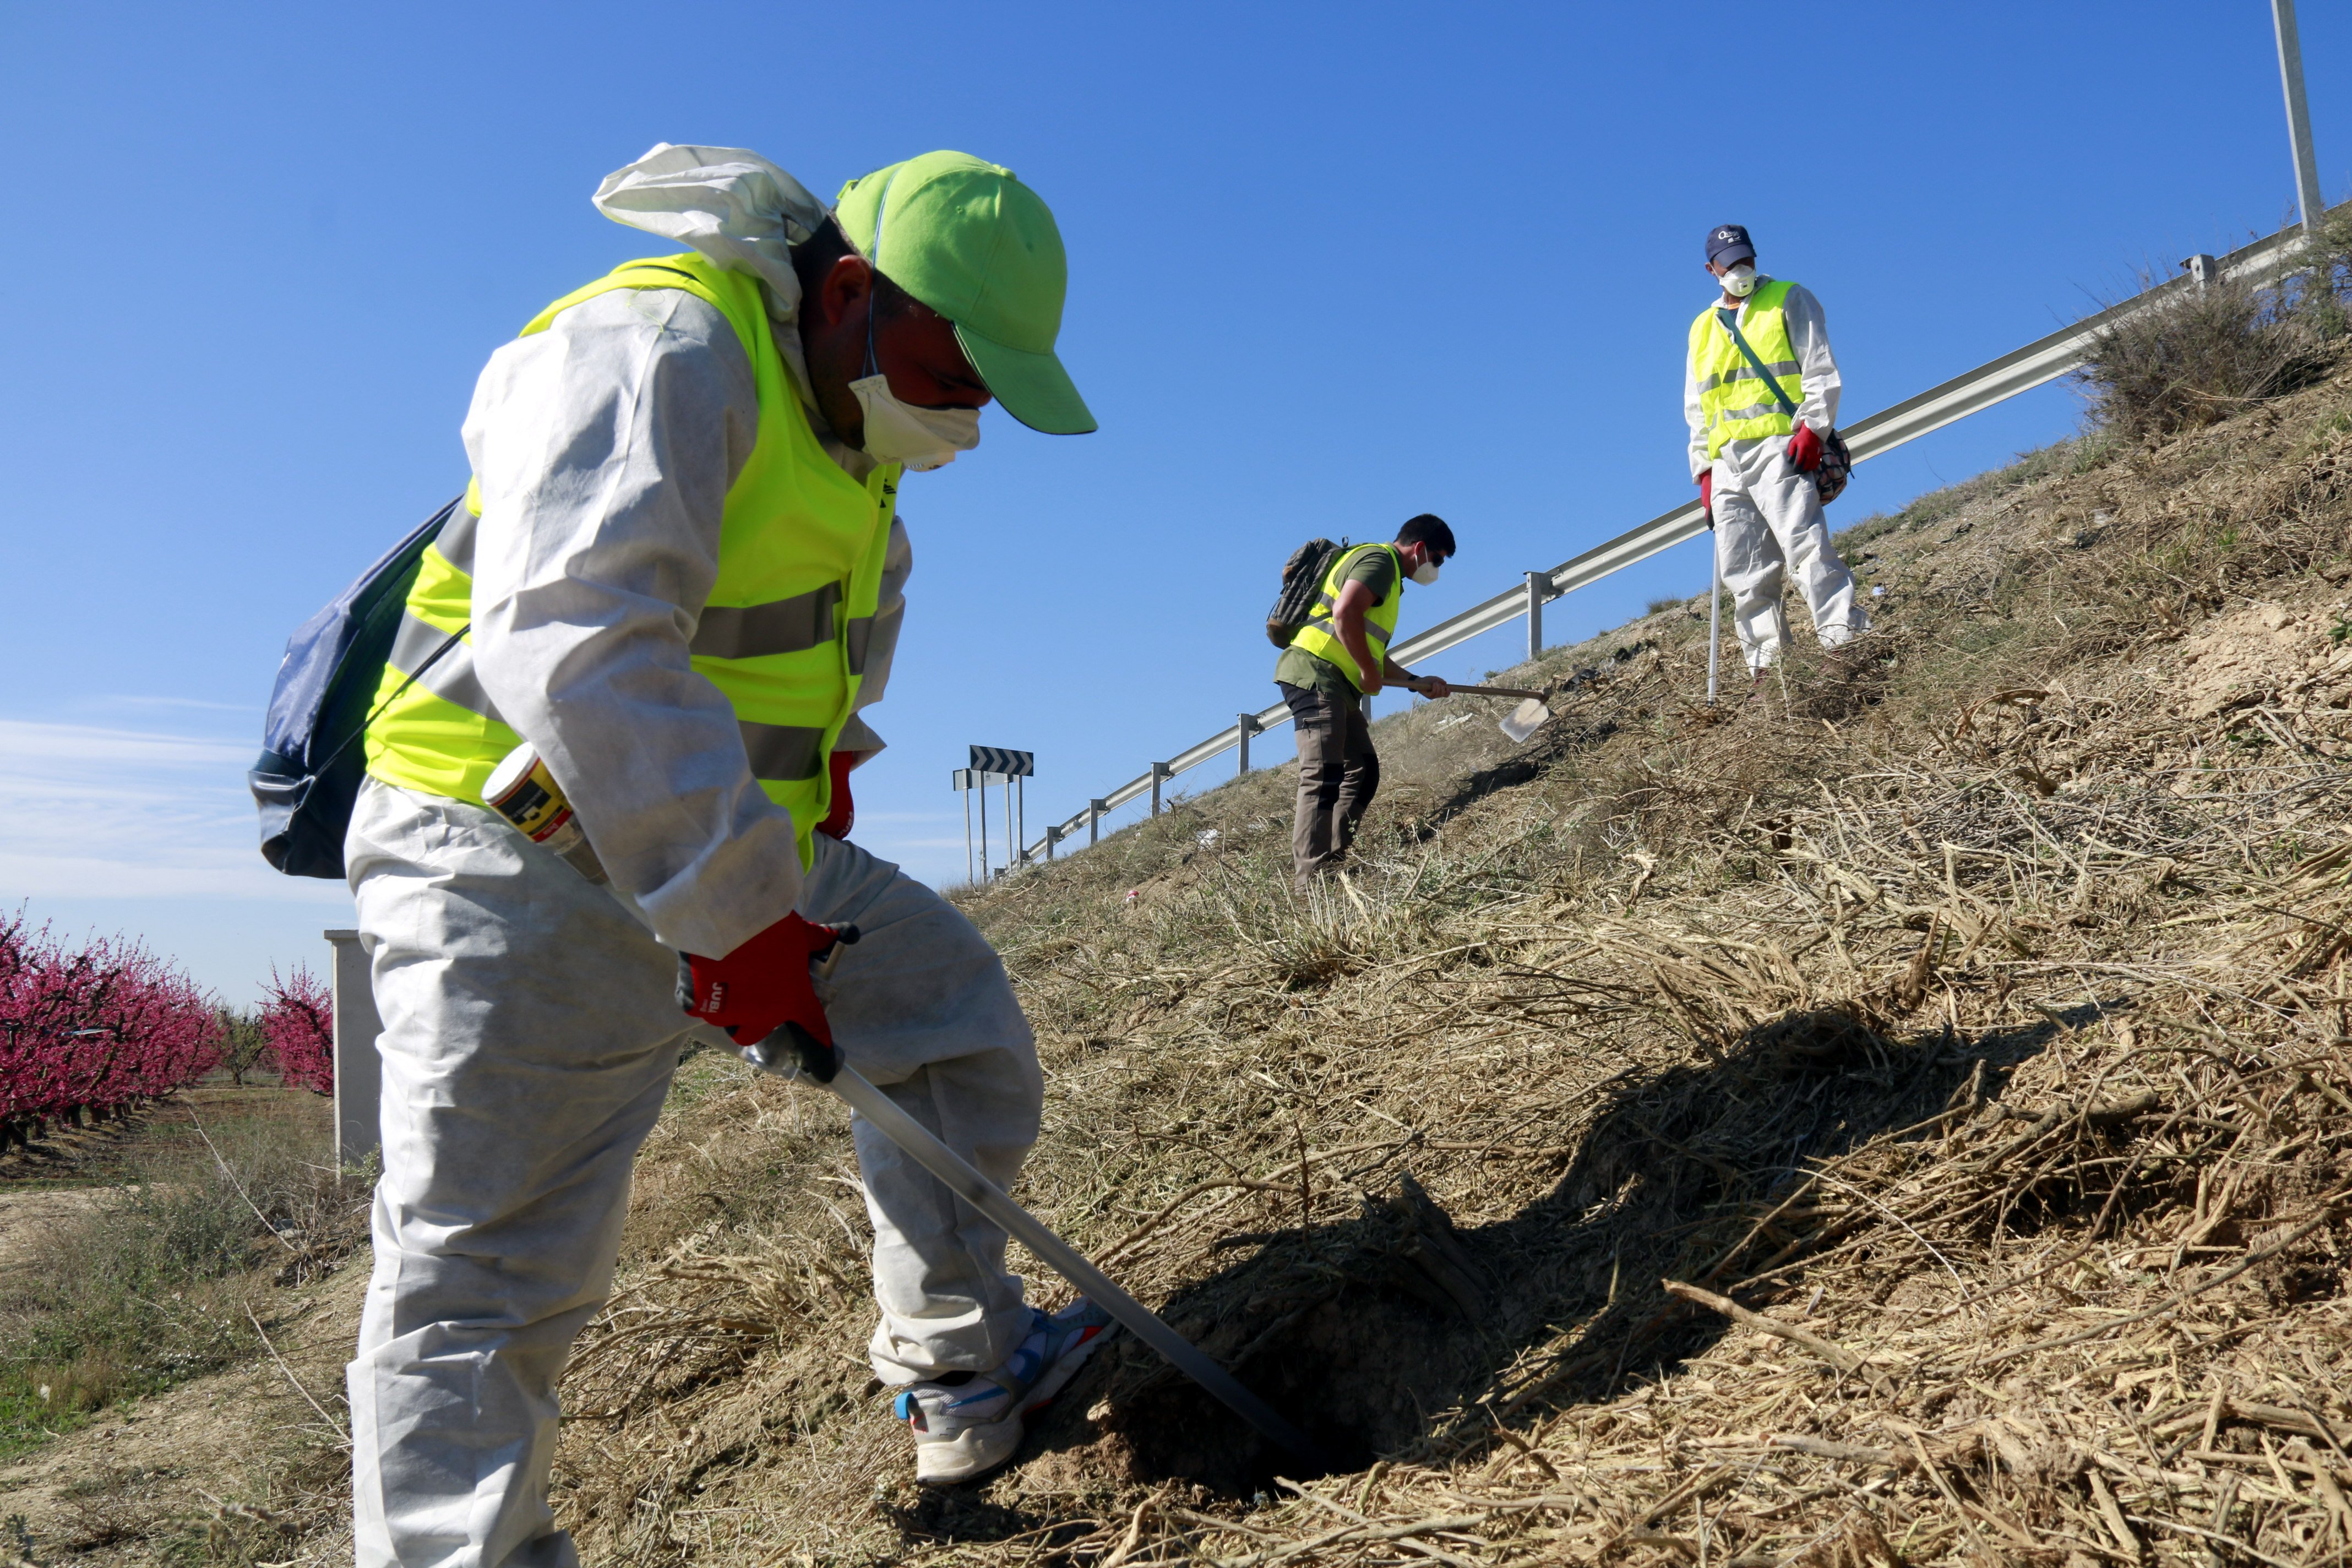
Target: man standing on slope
1338 658
1753 461
677 578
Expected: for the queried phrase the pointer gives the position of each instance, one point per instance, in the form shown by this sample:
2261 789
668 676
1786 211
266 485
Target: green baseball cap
970 240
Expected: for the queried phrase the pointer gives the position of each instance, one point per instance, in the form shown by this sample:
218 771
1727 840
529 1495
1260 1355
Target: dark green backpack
1302 580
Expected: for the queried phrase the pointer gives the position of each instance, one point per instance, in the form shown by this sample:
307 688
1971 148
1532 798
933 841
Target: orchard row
91 1033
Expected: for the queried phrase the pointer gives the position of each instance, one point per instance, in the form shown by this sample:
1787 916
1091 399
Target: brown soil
23 1214
219 1464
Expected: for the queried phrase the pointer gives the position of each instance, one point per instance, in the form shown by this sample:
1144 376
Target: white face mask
1425 574
895 431
921 438
1740 281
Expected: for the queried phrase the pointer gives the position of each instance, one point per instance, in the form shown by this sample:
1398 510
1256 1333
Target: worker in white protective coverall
1753 461
678 577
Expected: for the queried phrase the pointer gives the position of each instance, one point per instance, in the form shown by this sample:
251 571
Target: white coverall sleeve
1695 417
604 448
890 614
1808 334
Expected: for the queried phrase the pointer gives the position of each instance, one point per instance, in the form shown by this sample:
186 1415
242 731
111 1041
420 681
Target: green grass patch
153 1285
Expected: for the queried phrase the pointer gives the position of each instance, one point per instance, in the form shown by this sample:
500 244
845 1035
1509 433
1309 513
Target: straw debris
1906 1120
1911 1135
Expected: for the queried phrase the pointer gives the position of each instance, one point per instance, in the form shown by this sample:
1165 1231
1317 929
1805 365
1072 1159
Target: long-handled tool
825 1065
1454 690
546 809
1521 722
1714 614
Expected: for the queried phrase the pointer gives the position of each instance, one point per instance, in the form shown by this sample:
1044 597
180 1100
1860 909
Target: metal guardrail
2021 370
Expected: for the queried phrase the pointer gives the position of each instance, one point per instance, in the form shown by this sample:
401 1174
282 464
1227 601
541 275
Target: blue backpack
311 763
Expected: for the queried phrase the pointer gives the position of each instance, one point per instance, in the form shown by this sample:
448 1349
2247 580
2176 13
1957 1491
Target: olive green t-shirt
1376 570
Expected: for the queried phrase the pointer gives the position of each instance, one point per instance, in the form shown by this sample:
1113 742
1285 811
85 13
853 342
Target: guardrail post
1159 771
1052 836
1095 810
359 1070
2202 270
1249 728
1539 590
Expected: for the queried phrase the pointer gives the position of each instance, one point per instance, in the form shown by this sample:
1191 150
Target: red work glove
1805 449
762 987
1707 495
843 816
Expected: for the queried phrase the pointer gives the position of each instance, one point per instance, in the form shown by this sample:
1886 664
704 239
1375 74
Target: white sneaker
965 1429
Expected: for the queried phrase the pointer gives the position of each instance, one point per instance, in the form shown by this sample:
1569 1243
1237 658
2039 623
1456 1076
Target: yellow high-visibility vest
783 635
1734 400
1320 636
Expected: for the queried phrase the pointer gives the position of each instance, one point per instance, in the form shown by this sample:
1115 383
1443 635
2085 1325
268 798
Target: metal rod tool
1453 690
1714 613
1066 1260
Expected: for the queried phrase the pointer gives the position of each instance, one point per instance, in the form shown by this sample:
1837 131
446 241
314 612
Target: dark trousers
1338 772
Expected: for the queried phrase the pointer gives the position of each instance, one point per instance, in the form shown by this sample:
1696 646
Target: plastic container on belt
521 789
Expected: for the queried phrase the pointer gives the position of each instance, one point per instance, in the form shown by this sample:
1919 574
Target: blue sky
1330 265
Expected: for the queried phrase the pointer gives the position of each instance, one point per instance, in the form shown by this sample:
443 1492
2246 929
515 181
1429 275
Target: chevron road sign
1002 763
995 765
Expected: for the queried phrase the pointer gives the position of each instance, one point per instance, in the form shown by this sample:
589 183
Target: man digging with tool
1338 658
677 578
1754 461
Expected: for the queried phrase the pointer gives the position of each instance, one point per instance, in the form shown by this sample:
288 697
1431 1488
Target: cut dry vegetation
1903 1120
1907 1119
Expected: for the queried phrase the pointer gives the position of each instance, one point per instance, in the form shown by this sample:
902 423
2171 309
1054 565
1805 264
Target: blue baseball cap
1728 242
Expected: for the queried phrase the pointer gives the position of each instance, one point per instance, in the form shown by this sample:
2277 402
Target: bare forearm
1351 637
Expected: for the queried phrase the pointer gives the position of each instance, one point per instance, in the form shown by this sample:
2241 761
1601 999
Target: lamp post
2298 114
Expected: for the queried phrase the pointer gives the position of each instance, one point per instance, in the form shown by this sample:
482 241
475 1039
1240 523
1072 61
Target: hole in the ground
1356 1342
1394 1332
1333 1372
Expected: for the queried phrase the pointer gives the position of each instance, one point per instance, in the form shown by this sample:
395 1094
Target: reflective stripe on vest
783 635
1733 400
1320 636
434 735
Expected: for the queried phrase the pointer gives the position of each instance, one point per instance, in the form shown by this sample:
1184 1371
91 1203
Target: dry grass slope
1902 1122
1907 1121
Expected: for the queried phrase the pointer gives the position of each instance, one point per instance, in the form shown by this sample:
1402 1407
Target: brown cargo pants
1338 772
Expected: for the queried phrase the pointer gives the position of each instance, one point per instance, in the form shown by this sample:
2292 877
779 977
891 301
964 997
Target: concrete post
358 1071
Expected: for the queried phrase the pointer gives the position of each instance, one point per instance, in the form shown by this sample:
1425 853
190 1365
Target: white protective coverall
1768 515
529 1020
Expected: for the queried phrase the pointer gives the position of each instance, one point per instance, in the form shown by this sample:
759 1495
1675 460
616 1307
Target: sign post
1012 766
957 780
963 781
